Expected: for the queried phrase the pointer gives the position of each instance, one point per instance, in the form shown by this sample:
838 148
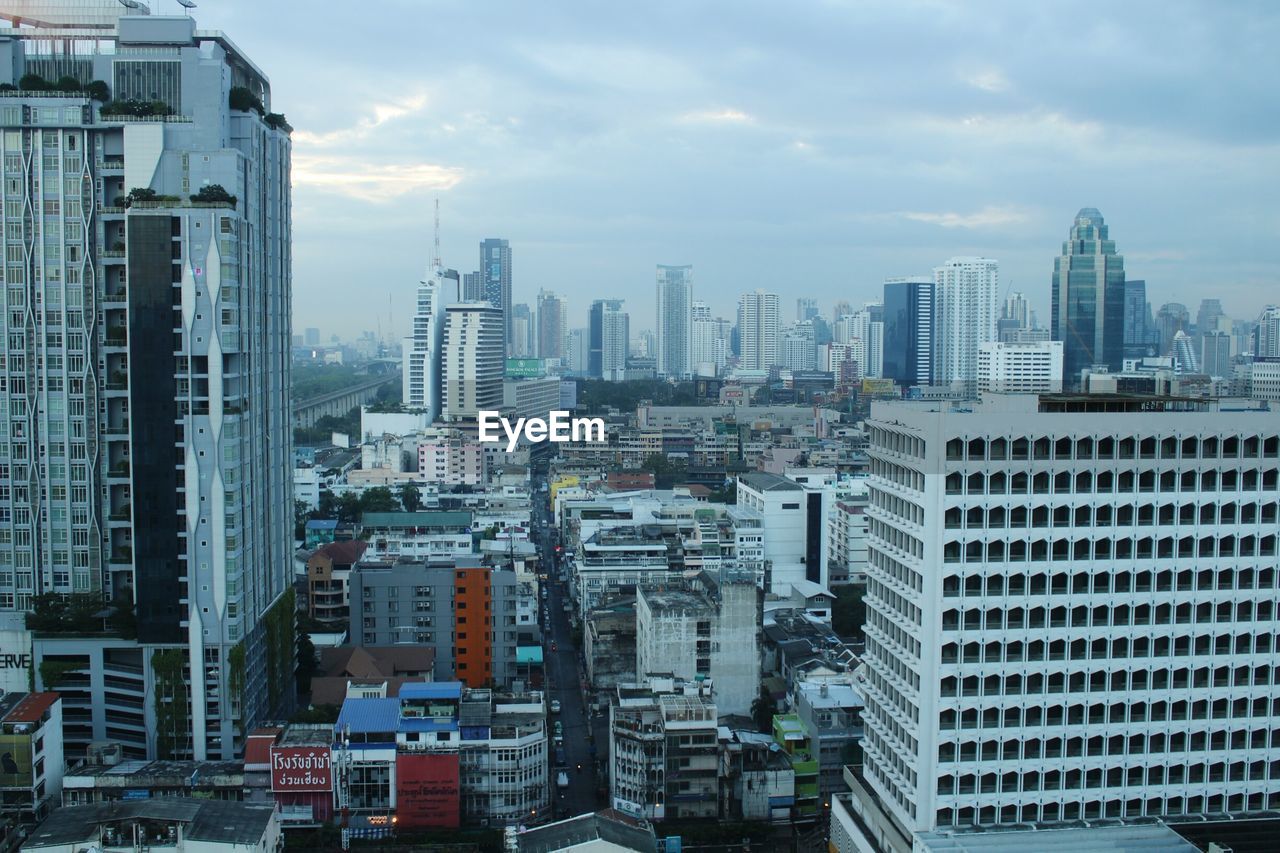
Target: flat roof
426 518
1136 838
763 481
432 690
217 821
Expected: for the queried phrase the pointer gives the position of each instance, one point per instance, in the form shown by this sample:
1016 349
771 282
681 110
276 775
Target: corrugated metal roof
370 715
436 518
432 690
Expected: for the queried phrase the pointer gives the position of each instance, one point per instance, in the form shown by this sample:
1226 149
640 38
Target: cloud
373 182
724 115
988 217
382 113
990 80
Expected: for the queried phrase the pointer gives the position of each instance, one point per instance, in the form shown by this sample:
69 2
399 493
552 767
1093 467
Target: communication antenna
188 5
435 260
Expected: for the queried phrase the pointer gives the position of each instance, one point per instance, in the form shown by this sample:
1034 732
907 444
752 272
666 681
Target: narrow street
565 676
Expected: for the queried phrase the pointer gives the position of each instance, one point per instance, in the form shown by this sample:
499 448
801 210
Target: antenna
435 260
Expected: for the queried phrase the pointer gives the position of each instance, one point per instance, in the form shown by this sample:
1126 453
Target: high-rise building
675 303
579 356
146 339
524 337
758 322
1017 310
615 341
806 309
1088 298
966 299
1141 339
1027 368
841 308
1184 354
1266 333
908 331
495 278
552 324
473 364
797 349
312 337
1216 354
1207 316
710 341
1101 648
420 370
865 325
473 288
1173 317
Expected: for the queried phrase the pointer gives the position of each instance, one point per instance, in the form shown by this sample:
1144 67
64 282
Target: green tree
378 499
848 613
214 192
666 471
98 90
300 516
410 497
243 99
306 662
68 84
349 507
33 83
763 707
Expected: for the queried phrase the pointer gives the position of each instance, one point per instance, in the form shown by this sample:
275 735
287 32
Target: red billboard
301 768
427 790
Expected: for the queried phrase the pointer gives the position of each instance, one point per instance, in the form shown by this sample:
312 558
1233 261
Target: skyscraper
675 302
495 278
710 347
907 353
1101 647
966 298
473 288
601 313
1173 317
1215 354
758 326
1088 298
806 309
1207 316
524 338
1141 339
1266 333
473 364
1017 310
148 449
421 354
552 324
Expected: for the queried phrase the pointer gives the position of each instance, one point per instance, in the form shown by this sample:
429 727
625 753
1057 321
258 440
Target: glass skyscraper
1088 298
908 331
495 279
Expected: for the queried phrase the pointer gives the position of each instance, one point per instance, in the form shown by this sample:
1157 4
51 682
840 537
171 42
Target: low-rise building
791 735
31 762
328 576
606 831
831 710
369 671
430 536
176 823
756 779
105 779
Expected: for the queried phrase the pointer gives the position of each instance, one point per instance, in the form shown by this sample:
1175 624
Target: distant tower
758 326
675 302
495 277
1088 298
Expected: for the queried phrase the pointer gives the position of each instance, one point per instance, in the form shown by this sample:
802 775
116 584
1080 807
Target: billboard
525 368
15 761
879 387
15 660
427 790
301 768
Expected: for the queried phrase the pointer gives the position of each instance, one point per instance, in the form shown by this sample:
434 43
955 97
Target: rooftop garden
34 83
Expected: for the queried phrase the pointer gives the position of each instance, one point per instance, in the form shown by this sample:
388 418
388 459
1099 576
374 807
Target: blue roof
529 654
366 716
421 724
431 690
322 524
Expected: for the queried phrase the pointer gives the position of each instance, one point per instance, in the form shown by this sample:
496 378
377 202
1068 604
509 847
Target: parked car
555 706
562 779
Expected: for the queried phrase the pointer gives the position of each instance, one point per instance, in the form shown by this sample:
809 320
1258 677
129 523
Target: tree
300 515
410 497
848 613
763 707
98 90
666 471
68 84
349 507
214 193
243 99
306 662
33 83
378 499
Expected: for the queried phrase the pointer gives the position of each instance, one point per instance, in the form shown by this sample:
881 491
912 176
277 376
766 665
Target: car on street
555 706
562 779
561 761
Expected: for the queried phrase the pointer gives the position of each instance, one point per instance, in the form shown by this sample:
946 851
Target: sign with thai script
427 791
301 768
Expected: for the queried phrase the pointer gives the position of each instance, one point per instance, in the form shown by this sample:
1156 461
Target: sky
809 149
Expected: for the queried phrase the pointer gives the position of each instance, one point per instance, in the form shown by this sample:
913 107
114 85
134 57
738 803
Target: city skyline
598 146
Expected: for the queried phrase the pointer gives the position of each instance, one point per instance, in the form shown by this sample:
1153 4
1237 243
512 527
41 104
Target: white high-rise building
710 348
1073 611
144 373
1266 333
675 304
553 325
966 307
1030 368
420 371
615 340
758 330
473 362
864 326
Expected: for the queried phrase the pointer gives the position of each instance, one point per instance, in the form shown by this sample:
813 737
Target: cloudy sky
806 148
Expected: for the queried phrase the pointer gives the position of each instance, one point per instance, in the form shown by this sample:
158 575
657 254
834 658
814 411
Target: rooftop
608 825
30 707
212 821
416 519
764 482
1137 838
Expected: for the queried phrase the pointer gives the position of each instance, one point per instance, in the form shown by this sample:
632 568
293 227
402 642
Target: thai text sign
301 768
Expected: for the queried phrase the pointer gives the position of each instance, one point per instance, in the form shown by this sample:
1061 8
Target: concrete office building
758 327
495 280
147 347
465 611
707 627
615 341
675 303
552 325
472 365
794 519
710 347
966 296
1072 610
1034 368
1266 333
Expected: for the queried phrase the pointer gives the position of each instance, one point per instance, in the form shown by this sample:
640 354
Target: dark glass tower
495 279
1141 338
1088 298
908 331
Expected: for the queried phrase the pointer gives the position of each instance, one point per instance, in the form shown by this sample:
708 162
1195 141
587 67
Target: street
565 674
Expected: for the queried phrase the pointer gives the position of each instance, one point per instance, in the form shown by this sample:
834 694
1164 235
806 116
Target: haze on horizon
810 150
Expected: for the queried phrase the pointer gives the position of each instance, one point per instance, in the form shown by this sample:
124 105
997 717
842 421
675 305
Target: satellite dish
186 4
134 4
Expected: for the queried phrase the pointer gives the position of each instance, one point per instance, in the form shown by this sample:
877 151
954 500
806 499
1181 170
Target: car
562 779
559 729
561 760
555 706
558 740
553 646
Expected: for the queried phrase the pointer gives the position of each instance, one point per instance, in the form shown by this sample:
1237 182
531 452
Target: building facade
908 351
1089 303
1072 610
759 330
473 364
147 352
675 303
495 280
1034 368
966 296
